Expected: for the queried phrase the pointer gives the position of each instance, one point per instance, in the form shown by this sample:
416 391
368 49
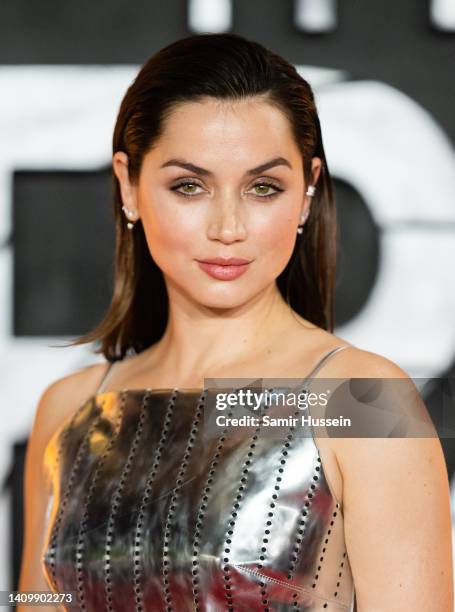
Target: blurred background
383 79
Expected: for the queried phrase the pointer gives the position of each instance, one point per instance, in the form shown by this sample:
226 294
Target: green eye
189 188
264 187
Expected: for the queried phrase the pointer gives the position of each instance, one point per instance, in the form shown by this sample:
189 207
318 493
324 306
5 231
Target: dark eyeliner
268 183
182 183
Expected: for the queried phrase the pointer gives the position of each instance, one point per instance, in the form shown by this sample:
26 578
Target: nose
227 220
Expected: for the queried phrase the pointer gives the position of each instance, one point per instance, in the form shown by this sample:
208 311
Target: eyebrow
181 163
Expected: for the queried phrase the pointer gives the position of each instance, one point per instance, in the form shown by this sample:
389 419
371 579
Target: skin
394 492
224 215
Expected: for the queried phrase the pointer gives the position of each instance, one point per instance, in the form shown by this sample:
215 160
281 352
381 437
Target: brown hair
227 67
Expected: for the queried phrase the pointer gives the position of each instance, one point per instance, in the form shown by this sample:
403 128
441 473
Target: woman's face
225 179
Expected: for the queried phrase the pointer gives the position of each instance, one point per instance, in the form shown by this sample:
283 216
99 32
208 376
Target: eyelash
265 183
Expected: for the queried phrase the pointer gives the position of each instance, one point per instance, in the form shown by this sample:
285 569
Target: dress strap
322 362
107 375
325 358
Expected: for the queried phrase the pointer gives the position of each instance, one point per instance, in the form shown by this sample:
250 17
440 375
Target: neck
201 339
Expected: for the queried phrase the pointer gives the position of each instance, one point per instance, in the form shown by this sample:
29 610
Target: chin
226 299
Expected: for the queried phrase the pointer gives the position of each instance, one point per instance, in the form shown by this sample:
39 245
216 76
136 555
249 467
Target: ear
316 166
127 190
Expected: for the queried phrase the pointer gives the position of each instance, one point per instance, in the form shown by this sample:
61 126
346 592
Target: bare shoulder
394 489
308 343
61 398
58 401
419 453
354 362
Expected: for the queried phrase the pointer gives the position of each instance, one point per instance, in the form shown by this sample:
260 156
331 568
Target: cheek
276 241
169 234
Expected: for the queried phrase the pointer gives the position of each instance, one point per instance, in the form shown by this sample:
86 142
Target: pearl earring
310 192
303 218
130 213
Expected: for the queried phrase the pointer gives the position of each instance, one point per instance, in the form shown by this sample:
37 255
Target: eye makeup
259 183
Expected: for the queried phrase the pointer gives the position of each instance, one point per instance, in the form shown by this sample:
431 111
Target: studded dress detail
145 514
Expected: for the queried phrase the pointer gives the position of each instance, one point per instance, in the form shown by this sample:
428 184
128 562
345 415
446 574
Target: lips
225 261
224 268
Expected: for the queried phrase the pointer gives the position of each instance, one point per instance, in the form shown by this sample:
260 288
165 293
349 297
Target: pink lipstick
222 268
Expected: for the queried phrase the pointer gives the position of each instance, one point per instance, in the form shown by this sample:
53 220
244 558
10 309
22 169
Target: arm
36 495
58 402
397 517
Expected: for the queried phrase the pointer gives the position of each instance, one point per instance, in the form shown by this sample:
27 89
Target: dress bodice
149 513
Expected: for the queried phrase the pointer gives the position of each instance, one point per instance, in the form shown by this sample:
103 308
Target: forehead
246 131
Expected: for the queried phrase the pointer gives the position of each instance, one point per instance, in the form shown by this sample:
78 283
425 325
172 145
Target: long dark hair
227 67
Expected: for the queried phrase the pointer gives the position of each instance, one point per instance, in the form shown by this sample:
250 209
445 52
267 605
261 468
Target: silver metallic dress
147 515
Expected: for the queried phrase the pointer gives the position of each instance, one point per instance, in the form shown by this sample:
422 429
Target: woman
218 153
